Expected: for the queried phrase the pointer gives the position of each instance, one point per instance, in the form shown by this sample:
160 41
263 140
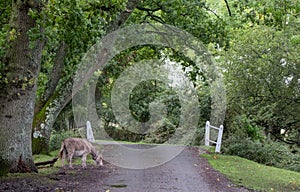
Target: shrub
270 153
57 138
119 134
163 132
246 128
199 137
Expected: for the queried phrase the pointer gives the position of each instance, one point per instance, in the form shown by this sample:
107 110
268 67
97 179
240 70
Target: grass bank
253 175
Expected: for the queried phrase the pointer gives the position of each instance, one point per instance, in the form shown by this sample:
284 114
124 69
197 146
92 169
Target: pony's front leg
63 157
83 161
70 156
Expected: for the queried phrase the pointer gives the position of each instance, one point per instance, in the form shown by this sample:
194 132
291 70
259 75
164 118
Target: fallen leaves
216 157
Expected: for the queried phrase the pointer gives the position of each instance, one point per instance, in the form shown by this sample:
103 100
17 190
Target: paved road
187 172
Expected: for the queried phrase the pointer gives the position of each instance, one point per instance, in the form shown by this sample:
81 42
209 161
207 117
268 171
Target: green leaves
261 73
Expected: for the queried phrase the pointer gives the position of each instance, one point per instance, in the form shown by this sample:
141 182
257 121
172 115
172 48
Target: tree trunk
39 143
17 97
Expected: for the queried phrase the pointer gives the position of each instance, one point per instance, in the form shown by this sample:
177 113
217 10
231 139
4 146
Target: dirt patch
64 180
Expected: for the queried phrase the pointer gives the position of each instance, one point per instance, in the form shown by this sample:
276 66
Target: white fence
207 136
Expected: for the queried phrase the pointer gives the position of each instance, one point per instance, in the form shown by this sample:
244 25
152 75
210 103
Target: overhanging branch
228 8
123 16
208 9
149 10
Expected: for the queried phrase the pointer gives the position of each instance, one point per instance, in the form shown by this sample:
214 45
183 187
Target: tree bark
17 97
39 143
123 16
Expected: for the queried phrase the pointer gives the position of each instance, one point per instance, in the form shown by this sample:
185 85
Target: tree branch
149 10
287 141
150 13
49 162
228 8
56 71
208 9
123 16
155 18
54 78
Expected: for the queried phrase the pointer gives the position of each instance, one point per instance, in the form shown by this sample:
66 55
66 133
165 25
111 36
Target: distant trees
263 81
262 69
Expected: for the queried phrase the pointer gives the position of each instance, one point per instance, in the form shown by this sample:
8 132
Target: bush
164 131
57 138
270 153
199 137
245 128
119 134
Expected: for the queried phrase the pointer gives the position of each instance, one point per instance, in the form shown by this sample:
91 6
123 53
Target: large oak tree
19 71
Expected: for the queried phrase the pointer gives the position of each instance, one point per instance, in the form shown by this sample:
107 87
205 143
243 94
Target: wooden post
89 132
219 141
207 133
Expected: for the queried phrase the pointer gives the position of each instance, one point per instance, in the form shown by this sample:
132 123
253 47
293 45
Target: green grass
42 172
57 165
42 157
253 175
209 149
49 170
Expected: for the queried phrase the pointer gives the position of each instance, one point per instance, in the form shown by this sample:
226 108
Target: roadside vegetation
253 175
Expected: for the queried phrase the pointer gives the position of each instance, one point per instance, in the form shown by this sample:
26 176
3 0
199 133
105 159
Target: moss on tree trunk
39 144
18 92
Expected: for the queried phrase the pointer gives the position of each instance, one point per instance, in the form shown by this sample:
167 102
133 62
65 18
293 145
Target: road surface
187 172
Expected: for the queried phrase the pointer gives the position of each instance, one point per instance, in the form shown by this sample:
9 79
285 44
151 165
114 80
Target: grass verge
75 161
43 173
253 175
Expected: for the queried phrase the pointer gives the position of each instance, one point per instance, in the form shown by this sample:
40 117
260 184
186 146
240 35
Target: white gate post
207 133
219 141
89 132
